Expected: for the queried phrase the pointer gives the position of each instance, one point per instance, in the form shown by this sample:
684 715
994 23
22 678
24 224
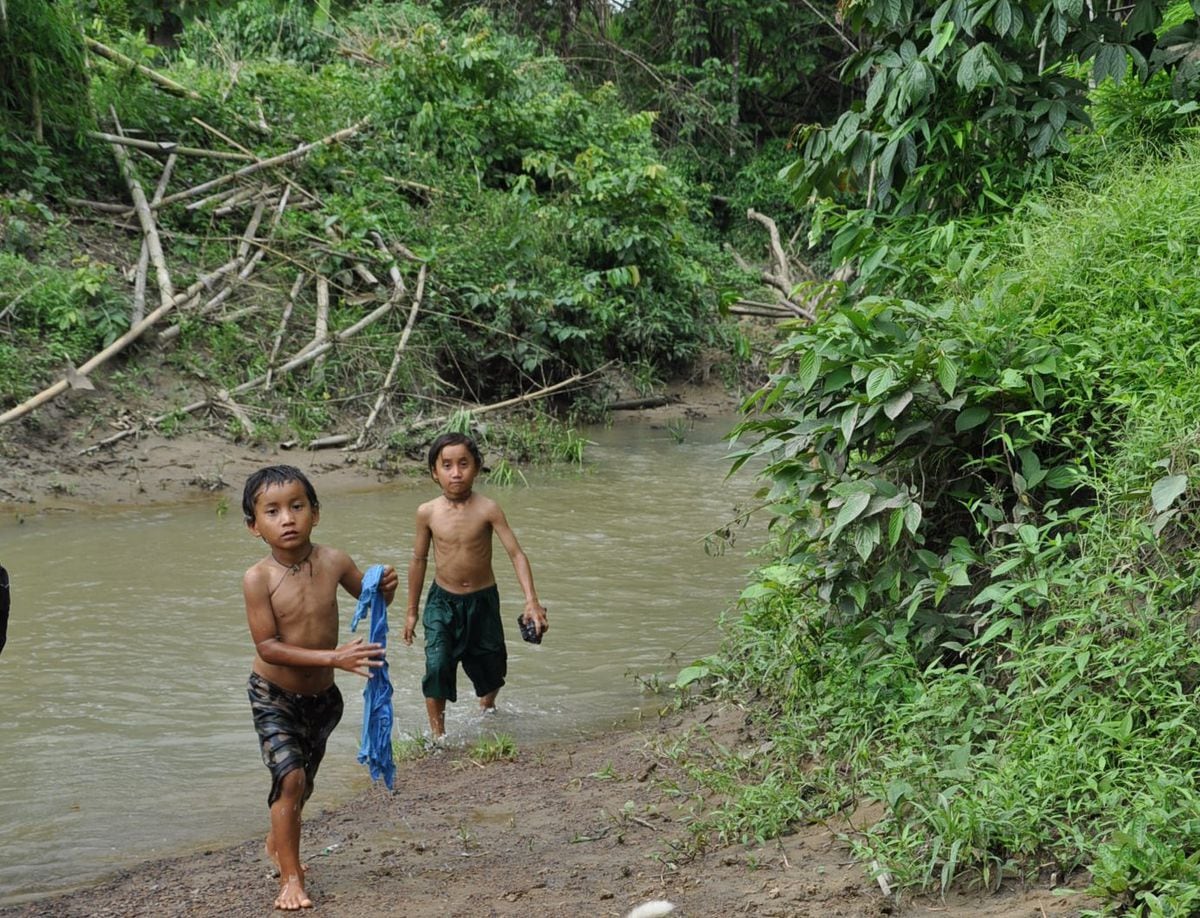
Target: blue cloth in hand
375 749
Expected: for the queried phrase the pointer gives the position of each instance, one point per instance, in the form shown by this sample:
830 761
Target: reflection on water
126 731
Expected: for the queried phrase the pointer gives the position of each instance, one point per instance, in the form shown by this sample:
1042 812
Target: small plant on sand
410 748
498 748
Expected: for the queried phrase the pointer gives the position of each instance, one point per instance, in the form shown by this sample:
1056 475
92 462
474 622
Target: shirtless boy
462 609
291 606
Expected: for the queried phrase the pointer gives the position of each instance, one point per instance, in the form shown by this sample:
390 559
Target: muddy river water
125 731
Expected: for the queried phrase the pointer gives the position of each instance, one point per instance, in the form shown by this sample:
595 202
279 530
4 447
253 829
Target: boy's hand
388 583
410 627
358 657
535 612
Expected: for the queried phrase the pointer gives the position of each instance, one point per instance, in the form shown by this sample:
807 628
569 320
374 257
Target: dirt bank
588 827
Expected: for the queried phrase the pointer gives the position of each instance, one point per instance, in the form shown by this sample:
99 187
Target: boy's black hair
453 439
274 475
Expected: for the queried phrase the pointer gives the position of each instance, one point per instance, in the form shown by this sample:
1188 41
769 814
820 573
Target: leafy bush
980 609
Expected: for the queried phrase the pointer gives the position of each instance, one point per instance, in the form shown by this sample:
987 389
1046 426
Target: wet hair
453 439
274 475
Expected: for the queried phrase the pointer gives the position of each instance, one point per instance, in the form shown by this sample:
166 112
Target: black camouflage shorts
292 729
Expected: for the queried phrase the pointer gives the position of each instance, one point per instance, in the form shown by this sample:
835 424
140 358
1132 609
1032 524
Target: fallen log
632 404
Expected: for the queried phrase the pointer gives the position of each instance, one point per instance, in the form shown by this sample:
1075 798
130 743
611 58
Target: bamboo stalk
149 230
301 276
169 146
154 76
400 345
303 150
138 310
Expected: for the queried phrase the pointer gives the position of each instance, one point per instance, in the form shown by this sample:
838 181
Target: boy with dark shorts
291 607
462 608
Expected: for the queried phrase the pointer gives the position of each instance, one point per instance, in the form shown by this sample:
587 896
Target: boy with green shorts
462 609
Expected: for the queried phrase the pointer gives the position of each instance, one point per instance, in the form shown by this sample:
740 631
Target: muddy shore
591 826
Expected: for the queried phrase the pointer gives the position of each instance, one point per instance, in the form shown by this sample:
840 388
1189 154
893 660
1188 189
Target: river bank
592 826
588 826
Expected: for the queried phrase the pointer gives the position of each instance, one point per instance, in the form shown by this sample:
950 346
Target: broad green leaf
895 527
947 374
849 422
807 372
866 537
1165 490
690 674
995 629
853 507
912 517
895 405
1062 476
971 418
879 381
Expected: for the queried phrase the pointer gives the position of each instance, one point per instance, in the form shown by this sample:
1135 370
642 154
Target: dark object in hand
529 630
4 603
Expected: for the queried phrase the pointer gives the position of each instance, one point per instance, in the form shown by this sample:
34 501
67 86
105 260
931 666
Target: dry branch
391 373
509 403
293 364
782 278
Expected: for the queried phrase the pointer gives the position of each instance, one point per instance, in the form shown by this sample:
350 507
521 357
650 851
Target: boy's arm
356 656
417 566
351 579
534 610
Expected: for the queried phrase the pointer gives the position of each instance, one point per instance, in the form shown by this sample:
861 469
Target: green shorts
463 628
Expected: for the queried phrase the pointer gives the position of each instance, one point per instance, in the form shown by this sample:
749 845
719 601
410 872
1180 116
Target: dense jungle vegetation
980 428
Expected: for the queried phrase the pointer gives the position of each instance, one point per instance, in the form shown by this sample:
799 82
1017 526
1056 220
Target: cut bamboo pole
301 277
149 230
391 373
169 146
152 75
303 150
138 310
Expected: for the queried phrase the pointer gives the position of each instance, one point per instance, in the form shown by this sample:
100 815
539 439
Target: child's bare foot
292 896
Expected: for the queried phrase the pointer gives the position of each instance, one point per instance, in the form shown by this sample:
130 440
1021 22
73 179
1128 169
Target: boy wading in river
291 606
462 609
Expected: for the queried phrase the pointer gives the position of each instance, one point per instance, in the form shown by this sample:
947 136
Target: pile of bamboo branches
263 188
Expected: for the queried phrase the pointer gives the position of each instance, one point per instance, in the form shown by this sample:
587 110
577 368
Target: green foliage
499 748
979 610
555 238
43 83
966 103
290 29
52 316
